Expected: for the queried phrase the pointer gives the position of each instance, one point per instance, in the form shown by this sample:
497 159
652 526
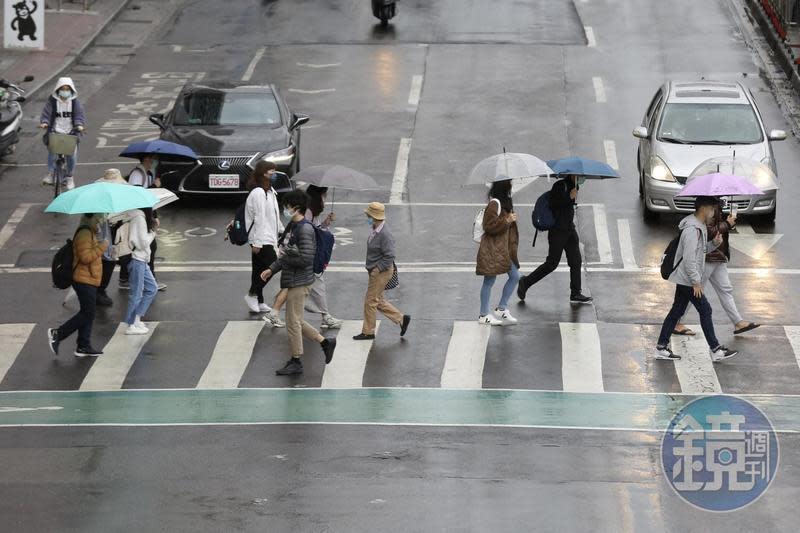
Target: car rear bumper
661 198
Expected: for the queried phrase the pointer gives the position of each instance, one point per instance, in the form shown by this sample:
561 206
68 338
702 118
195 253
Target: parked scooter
11 96
384 10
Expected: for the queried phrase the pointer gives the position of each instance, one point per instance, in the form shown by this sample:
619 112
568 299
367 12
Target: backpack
324 251
477 225
61 269
542 215
668 265
237 234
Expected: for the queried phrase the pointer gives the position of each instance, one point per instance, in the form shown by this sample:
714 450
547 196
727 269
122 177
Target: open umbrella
167 151
581 166
509 166
719 185
332 176
755 172
102 198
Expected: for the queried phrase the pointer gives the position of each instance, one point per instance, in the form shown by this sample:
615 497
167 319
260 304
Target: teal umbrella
102 198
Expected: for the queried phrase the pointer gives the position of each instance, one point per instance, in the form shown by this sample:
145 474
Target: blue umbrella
580 166
164 149
102 197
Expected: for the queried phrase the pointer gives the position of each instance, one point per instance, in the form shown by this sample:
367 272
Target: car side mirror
298 120
641 132
158 120
280 182
777 135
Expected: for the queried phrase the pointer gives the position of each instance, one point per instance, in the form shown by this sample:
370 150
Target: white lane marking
626 244
346 371
400 172
315 65
251 68
793 334
591 42
599 90
312 91
13 221
177 48
416 90
695 370
610 148
109 371
603 238
19 409
581 357
231 355
12 339
466 353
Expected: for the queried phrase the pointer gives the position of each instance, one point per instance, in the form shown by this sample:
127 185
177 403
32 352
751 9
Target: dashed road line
400 172
416 90
591 42
13 221
315 65
312 91
626 244
251 68
603 238
599 90
610 148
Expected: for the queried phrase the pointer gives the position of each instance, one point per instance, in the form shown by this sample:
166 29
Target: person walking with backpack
380 265
87 272
562 237
687 275
63 113
296 267
144 175
497 253
716 272
143 287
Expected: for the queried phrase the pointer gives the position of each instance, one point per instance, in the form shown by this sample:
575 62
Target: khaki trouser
374 301
296 326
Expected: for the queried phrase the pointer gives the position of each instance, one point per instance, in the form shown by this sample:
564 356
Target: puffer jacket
87 259
499 244
296 265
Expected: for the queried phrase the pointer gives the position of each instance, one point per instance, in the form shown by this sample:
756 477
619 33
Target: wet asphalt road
518 75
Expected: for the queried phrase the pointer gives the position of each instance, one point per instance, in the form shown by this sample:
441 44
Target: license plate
223 181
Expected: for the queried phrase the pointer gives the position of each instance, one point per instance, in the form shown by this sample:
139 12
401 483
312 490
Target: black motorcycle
384 10
11 96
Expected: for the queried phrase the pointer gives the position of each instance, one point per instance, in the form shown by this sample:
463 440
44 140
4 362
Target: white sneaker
133 329
69 183
722 353
48 180
490 320
161 286
264 308
329 322
505 316
274 320
141 325
252 303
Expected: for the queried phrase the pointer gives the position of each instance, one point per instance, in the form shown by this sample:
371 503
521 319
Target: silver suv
689 122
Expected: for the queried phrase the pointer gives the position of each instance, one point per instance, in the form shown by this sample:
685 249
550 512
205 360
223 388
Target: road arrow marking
756 245
18 409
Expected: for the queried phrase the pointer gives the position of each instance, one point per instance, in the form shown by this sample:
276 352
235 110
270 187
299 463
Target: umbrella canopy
102 198
164 197
580 166
505 166
719 185
755 172
333 176
164 149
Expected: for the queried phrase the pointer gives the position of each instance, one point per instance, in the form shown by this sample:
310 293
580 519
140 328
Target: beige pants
296 326
374 301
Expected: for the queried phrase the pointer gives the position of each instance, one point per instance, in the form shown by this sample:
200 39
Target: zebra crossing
571 357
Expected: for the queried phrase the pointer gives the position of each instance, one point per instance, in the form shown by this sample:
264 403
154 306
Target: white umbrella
755 172
509 166
164 197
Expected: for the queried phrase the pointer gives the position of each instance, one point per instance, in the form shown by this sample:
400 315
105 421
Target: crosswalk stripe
793 334
581 357
695 370
231 355
110 369
346 371
12 339
466 353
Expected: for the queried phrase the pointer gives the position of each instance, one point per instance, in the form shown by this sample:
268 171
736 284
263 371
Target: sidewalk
67 34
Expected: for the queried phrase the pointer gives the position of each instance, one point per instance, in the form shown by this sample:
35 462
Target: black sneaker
328 346
103 300
124 285
364 337
404 326
53 340
87 351
721 353
664 353
580 299
522 288
292 368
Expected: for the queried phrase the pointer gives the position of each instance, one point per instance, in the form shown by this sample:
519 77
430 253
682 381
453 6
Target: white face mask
64 94
288 213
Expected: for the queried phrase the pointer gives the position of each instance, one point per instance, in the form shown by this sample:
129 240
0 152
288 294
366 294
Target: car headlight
659 170
280 156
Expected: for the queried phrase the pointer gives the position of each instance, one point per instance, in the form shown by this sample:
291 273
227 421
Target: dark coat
297 263
499 243
562 205
719 226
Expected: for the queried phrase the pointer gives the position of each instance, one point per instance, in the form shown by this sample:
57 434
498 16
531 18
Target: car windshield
219 108
709 124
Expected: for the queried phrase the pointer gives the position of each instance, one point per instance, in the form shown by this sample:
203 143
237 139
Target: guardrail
781 13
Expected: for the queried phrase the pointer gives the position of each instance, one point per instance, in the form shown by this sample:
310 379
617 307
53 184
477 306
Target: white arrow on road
756 245
18 409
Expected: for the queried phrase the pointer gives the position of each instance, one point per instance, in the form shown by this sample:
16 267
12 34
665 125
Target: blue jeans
143 289
683 296
69 168
508 289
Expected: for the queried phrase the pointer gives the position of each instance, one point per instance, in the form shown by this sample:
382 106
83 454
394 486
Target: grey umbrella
333 176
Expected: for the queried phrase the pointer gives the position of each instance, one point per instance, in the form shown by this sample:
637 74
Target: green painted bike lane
436 407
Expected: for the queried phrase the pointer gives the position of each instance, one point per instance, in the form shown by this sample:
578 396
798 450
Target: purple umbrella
720 185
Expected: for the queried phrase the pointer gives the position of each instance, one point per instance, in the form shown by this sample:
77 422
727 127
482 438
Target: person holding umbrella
143 287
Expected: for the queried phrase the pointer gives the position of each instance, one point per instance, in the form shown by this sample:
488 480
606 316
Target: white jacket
262 217
138 236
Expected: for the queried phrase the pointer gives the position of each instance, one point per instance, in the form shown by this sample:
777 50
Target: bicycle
61 145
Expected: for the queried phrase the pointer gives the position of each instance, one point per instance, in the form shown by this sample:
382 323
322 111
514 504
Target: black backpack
237 234
61 269
668 259
542 215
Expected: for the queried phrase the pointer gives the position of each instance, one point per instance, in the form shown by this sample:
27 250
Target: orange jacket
87 259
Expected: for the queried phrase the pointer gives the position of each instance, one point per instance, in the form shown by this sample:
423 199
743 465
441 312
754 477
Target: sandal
749 327
686 332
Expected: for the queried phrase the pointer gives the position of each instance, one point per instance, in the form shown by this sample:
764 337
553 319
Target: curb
785 59
76 54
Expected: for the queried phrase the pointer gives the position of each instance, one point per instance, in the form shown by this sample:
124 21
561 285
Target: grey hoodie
693 247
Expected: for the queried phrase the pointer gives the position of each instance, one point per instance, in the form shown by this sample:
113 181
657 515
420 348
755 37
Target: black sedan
231 127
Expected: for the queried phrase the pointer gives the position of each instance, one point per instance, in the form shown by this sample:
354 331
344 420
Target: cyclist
63 113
